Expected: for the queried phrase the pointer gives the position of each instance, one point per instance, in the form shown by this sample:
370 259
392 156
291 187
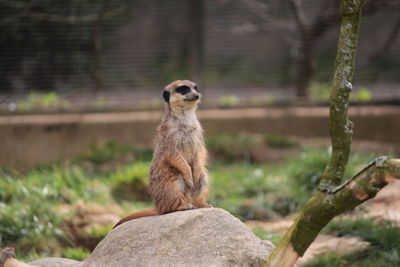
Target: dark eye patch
183 89
195 88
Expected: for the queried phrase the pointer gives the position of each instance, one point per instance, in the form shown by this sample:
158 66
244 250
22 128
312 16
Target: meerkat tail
140 214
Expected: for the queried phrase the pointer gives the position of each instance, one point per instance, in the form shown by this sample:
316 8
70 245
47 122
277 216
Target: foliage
29 217
42 101
233 146
242 190
319 91
228 101
384 247
77 253
29 201
103 151
154 103
262 100
306 170
64 183
40 38
131 182
33 223
274 237
363 94
280 141
107 151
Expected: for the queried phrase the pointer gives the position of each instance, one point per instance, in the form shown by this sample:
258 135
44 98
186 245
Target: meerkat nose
196 96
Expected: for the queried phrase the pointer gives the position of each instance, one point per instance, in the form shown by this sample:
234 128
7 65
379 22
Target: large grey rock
202 237
56 262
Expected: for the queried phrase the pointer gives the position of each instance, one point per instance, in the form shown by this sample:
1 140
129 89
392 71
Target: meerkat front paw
206 206
189 183
186 206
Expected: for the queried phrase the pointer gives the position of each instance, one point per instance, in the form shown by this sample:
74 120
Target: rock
55 262
202 237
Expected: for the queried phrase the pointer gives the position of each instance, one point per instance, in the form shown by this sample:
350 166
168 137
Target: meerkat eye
183 89
195 88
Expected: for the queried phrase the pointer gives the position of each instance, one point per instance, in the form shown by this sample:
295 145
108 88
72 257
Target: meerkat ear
166 95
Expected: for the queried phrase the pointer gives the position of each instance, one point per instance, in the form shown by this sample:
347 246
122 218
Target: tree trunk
305 68
332 199
195 42
96 68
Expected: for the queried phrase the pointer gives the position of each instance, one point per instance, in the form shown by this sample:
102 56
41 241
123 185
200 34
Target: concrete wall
27 140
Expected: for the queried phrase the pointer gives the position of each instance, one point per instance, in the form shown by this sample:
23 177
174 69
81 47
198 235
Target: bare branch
328 16
300 16
63 19
340 127
387 44
261 11
22 5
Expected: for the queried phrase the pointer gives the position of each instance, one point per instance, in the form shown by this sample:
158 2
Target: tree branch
327 17
22 5
387 44
300 16
261 11
63 19
323 207
332 199
340 127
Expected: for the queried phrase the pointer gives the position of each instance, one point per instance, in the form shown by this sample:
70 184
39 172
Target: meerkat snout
192 97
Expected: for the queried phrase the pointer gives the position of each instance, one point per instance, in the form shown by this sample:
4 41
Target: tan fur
178 174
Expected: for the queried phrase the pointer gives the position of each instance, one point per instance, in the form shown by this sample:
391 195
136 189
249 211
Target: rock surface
202 237
56 262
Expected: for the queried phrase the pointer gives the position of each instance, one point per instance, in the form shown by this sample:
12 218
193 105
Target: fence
77 47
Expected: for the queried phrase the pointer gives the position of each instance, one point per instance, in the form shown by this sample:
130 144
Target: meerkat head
182 95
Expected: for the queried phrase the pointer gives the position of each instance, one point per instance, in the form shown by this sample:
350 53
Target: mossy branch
324 206
340 127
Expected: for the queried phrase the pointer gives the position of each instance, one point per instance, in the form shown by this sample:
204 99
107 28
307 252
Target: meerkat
178 174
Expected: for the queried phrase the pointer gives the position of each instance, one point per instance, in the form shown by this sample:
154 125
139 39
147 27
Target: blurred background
80 97
120 53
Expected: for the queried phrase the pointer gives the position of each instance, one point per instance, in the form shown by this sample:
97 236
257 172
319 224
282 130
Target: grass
384 242
29 217
42 101
30 201
240 146
274 237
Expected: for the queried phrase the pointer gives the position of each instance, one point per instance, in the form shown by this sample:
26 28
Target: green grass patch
131 182
77 253
274 237
279 141
235 146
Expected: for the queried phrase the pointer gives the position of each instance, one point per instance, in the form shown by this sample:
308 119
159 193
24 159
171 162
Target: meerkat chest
188 134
